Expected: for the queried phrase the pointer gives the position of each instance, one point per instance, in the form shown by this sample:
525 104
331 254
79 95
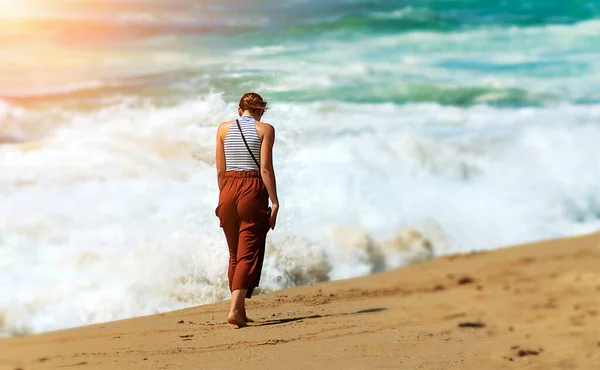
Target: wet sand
535 306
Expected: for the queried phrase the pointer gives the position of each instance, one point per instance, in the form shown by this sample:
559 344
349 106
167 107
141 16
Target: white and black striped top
237 157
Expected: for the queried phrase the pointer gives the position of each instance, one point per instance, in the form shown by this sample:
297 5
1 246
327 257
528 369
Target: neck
247 113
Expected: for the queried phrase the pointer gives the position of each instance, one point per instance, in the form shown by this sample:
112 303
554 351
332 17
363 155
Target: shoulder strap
247 146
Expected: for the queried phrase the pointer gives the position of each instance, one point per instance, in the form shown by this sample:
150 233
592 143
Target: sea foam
111 214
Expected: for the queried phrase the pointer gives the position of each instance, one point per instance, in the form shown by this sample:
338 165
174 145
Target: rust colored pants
243 211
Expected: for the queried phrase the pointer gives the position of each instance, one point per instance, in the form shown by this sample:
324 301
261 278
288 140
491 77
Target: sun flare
11 8
24 8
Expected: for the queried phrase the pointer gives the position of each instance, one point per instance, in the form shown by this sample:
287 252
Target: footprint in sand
466 280
476 325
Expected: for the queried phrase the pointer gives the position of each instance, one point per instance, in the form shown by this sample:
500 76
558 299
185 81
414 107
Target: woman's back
237 157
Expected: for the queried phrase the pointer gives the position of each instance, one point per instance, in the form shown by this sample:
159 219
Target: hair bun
253 103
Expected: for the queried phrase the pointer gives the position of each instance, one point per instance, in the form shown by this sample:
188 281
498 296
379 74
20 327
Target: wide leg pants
243 211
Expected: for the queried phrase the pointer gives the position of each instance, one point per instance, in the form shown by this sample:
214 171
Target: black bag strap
247 146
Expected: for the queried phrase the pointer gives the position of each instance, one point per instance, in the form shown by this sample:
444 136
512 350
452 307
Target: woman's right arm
267 171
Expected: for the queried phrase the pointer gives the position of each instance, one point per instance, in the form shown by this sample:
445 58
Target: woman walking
246 182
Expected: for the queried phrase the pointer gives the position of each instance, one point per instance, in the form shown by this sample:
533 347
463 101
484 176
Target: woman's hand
273 218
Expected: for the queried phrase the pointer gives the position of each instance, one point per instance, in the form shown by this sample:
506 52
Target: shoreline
533 305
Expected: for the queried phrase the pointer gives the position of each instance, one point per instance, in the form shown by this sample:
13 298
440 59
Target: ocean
405 130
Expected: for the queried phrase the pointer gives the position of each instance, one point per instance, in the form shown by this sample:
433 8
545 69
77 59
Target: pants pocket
218 214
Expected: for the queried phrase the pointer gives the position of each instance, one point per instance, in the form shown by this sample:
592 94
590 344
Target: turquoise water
512 53
466 125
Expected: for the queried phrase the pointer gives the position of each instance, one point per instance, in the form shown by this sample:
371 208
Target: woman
246 182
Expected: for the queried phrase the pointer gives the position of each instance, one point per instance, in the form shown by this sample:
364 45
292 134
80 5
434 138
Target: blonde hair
253 103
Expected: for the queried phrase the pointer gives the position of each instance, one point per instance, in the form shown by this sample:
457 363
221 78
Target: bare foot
236 319
246 318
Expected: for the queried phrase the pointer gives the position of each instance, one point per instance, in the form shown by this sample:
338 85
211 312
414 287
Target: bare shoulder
224 128
264 128
225 125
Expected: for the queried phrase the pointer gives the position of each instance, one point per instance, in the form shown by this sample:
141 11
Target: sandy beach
533 306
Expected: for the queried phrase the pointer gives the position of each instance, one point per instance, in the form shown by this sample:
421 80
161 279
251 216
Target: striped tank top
237 157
